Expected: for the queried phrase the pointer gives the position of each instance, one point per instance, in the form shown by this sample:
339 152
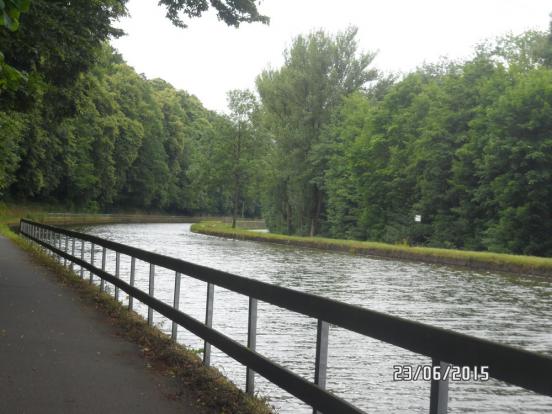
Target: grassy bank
208 387
43 213
11 214
476 260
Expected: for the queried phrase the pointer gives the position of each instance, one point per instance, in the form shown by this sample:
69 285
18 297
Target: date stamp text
437 373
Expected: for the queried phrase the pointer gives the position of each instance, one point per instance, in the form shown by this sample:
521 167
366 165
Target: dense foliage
298 101
467 146
87 131
328 148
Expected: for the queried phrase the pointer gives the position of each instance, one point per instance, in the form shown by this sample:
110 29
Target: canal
511 309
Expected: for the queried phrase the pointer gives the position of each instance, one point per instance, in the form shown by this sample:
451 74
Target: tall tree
242 105
299 98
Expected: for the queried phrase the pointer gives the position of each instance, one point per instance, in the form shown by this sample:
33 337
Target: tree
242 105
231 12
515 167
298 99
10 11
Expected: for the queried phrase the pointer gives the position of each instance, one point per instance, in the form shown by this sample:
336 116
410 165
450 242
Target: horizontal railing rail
515 366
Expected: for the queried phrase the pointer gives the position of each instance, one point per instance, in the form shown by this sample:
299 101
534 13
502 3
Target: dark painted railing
515 366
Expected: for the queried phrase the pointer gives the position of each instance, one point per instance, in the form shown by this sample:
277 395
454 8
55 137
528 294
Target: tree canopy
326 145
298 100
231 12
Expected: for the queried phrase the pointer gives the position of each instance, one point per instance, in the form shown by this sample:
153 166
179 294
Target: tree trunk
235 202
237 179
289 224
315 218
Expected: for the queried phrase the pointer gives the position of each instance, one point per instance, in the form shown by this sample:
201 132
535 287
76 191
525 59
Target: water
511 309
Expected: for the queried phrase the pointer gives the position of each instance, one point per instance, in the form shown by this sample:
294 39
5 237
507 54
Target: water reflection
511 309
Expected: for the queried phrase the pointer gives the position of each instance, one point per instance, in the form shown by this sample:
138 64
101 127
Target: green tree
231 12
242 105
10 12
516 164
298 100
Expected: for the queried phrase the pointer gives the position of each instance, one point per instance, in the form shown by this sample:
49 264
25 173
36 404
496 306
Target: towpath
58 355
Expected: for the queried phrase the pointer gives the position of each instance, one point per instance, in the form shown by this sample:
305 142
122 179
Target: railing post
151 290
117 266
321 362
438 400
71 266
92 248
58 236
176 303
208 322
132 271
53 244
66 249
82 258
251 344
51 241
102 282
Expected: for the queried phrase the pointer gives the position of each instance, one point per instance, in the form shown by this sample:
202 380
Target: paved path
58 355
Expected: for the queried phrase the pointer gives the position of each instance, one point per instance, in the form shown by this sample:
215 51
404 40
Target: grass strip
208 387
541 266
43 213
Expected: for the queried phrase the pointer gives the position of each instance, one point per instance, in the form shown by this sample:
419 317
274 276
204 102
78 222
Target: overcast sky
208 58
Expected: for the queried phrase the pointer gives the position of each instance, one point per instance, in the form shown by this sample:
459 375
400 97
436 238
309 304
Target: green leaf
24 5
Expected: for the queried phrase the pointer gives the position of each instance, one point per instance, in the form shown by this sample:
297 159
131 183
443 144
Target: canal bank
530 265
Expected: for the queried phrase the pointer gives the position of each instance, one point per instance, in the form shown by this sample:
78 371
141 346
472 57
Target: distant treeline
467 146
330 146
83 129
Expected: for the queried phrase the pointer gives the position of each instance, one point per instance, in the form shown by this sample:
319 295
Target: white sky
208 58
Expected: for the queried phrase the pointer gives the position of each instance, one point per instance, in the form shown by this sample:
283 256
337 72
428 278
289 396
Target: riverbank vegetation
327 146
476 260
83 129
208 387
466 146
45 213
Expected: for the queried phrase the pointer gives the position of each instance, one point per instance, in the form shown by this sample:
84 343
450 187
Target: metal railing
515 366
